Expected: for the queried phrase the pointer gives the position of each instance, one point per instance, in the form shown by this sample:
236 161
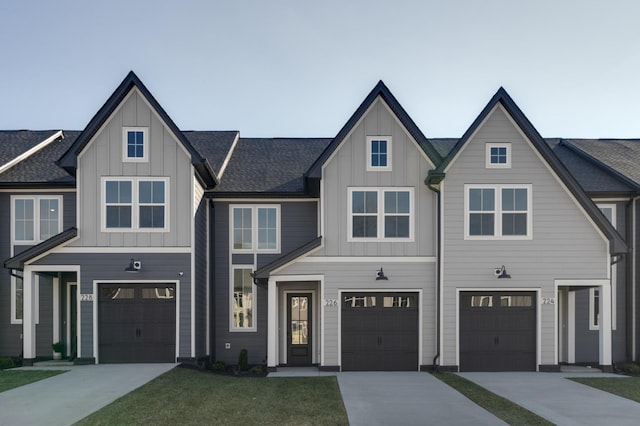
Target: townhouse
377 249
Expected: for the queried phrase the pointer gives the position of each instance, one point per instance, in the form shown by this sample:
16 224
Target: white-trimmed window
243 299
380 214
135 145
255 228
17 304
135 204
609 211
498 155
379 153
35 218
498 212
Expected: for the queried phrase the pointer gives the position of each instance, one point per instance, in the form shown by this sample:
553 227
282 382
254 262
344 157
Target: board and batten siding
99 267
361 276
102 157
565 243
347 167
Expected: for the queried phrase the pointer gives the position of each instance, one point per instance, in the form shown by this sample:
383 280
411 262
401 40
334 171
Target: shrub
218 366
6 363
243 360
58 347
630 368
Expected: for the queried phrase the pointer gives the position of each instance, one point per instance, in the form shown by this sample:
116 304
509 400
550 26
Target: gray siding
347 168
559 227
161 267
103 157
299 226
201 282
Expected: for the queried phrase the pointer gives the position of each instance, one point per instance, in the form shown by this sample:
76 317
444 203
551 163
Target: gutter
433 181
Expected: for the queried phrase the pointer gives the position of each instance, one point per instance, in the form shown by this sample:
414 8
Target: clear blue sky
301 68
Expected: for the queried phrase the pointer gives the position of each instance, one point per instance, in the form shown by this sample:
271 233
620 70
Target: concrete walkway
66 398
559 400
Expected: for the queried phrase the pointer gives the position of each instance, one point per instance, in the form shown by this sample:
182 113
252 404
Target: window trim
36 296
498 212
135 203
145 145
36 217
371 167
254 307
380 214
254 228
614 279
489 164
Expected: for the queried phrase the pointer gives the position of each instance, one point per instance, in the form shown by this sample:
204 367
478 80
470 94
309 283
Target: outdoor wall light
134 266
501 272
380 275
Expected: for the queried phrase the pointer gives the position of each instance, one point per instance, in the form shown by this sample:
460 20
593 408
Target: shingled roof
14 143
263 166
213 145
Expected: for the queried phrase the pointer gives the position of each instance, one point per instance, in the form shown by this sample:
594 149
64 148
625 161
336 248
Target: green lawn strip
626 387
10 379
189 397
508 411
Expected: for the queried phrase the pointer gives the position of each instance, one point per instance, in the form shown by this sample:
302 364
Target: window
609 211
17 304
135 204
135 146
498 211
498 155
35 218
255 228
380 214
243 301
379 153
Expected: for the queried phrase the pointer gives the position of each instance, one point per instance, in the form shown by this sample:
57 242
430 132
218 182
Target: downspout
433 182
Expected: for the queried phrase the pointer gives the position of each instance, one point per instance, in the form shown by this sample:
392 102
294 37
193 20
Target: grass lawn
627 387
10 379
190 397
504 409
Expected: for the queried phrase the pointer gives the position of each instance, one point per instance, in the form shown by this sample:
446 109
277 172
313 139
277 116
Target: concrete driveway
69 397
561 401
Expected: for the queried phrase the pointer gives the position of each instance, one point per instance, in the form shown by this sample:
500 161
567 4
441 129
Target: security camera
137 265
497 271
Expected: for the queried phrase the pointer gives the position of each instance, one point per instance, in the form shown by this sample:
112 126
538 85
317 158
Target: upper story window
380 214
379 153
498 211
255 228
135 204
35 218
498 155
135 144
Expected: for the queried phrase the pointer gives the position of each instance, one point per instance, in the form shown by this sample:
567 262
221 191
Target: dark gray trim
229 196
330 368
262 274
68 161
17 261
549 368
379 90
617 244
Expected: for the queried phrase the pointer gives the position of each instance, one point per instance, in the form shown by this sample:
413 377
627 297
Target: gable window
243 301
379 153
35 218
498 155
380 214
132 204
498 211
255 228
135 145
609 211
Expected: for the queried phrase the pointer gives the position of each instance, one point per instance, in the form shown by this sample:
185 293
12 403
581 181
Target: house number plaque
86 297
330 302
548 300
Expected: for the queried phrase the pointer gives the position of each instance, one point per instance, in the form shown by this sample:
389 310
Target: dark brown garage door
137 323
379 331
497 331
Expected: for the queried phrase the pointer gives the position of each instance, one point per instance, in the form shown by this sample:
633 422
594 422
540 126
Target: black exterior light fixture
134 266
380 275
501 272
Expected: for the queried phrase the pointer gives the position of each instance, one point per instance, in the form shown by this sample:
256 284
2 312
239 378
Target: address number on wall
86 297
548 300
330 302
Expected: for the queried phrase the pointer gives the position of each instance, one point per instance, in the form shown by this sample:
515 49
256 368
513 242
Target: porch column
605 326
272 323
28 317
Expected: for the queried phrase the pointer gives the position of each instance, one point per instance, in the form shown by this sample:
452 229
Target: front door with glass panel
299 329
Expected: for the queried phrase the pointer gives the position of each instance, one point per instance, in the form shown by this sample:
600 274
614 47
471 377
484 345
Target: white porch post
28 316
605 325
272 315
